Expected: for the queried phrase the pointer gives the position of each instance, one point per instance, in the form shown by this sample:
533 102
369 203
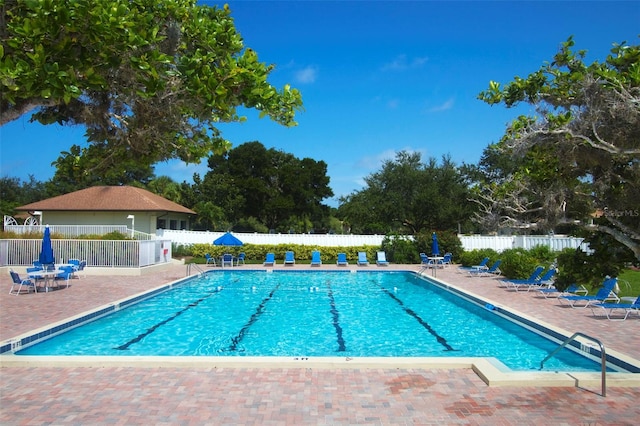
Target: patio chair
484 271
342 260
544 280
610 308
209 260
381 259
227 260
289 258
66 275
534 276
17 281
603 295
240 258
270 259
447 260
362 259
480 266
315 258
573 289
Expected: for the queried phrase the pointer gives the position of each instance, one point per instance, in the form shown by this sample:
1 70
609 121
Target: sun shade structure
227 240
435 250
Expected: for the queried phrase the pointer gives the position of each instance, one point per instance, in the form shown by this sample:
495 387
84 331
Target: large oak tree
148 79
584 136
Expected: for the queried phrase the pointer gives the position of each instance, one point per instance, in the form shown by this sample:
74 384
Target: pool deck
282 394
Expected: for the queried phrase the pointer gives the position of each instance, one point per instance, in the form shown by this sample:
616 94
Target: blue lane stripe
336 319
161 323
422 322
235 341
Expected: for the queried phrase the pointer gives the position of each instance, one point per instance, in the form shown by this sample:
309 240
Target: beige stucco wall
144 221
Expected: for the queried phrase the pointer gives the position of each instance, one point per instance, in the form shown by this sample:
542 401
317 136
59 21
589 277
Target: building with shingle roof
112 205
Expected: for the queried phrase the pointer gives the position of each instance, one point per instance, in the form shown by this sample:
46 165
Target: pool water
363 314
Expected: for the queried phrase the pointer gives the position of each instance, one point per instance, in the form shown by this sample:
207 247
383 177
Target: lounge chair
362 259
270 260
227 260
532 278
289 258
315 258
381 259
545 280
17 281
603 295
573 289
342 260
480 266
610 308
484 272
209 260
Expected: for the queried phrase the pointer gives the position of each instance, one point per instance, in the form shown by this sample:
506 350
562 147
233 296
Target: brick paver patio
293 396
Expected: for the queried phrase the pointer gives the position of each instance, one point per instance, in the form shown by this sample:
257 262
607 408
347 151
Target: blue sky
378 77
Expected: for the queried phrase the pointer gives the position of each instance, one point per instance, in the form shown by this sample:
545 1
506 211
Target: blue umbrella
227 240
435 250
46 252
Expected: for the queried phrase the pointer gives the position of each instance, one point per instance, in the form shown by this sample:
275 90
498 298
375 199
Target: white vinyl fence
502 242
97 253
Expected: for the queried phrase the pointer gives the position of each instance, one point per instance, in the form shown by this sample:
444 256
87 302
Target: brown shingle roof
108 198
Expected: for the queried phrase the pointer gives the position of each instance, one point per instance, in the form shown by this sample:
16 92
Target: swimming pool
286 313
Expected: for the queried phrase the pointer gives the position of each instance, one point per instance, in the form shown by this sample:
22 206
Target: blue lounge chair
315 258
381 259
483 272
610 308
289 258
603 295
544 280
17 281
534 276
270 260
362 259
573 289
342 260
480 266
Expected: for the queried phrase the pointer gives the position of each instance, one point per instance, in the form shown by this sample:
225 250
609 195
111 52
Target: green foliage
114 235
181 250
256 253
448 242
400 249
409 196
474 257
149 80
578 154
519 263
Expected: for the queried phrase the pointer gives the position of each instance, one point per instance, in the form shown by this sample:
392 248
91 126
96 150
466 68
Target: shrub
518 263
448 242
474 257
400 249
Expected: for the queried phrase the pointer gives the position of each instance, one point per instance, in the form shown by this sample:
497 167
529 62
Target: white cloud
306 75
402 63
445 106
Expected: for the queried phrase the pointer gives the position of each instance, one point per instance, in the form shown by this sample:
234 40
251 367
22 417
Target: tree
587 124
410 196
252 184
149 79
14 193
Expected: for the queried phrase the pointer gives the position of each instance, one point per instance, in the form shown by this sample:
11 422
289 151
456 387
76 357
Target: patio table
45 276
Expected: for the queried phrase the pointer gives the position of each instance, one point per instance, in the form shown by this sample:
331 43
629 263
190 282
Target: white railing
74 231
98 253
320 240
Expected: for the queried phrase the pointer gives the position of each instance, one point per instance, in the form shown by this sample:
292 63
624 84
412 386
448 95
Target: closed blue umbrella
227 240
435 250
46 252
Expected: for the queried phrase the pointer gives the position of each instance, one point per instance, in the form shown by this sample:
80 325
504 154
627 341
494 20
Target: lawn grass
629 283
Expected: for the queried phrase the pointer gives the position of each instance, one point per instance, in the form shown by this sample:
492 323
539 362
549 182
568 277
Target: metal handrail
603 357
195 265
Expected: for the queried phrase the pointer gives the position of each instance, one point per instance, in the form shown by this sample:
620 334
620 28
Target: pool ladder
196 267
583 347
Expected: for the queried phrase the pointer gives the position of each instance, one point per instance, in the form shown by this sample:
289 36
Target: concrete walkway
292 396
